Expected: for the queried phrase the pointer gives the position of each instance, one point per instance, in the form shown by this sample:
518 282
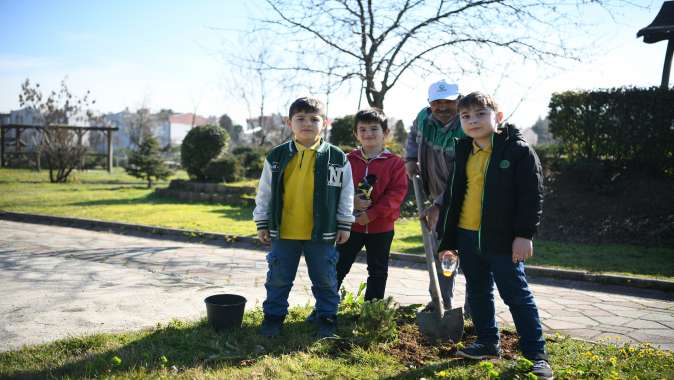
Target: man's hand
360 203
411 168
263 236
362 219
430 216
522 249
342 236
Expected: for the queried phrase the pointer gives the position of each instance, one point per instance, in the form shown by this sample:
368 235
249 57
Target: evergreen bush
226 168
202 145
147 163
252 160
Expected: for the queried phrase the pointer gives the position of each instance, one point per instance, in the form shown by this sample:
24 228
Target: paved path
59 282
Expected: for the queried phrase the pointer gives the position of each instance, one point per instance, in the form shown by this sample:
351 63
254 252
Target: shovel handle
429 249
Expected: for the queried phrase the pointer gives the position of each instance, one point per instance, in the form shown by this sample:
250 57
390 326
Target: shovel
437 324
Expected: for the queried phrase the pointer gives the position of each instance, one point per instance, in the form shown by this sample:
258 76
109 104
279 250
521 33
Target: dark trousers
481 272
377 247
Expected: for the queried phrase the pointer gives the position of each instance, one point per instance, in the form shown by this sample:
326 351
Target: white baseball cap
443 90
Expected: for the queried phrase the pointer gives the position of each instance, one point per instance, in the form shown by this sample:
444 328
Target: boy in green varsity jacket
304 205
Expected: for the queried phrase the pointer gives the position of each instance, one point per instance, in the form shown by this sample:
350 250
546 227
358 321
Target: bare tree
379 42
141 124
61 146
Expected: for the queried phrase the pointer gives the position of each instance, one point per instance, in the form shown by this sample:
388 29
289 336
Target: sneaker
542 369
312 317
271 325
327 326
479 351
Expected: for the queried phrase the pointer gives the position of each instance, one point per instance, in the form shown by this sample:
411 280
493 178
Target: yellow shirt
297 221
476 168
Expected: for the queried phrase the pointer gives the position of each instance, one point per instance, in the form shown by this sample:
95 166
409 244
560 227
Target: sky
169 54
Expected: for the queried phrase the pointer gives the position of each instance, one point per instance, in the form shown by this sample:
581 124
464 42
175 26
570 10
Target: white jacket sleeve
345 207
262 212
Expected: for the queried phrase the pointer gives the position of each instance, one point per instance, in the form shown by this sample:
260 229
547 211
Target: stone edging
228 240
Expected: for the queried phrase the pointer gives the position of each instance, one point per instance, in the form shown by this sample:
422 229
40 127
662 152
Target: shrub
224 169
201 146
146 162
626 128
376 323
341 131
252 160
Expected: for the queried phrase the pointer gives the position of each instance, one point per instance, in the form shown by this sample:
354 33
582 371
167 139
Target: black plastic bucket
225 311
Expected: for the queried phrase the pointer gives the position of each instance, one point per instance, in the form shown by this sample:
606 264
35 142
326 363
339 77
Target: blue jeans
283 260
481 271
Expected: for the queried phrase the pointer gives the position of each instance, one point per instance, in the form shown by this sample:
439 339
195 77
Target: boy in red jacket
381 184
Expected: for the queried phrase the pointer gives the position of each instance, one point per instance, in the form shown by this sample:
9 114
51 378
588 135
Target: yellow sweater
298 194
476 168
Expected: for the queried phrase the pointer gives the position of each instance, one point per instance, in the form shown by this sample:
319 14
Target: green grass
192 350
119 197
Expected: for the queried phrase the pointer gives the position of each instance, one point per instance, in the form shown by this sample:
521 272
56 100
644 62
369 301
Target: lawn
193 350
119 197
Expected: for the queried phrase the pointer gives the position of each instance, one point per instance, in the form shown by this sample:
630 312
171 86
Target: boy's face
443 109
370 135
306 127
479 122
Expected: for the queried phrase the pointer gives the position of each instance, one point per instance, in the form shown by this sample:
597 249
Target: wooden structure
662 28
79 132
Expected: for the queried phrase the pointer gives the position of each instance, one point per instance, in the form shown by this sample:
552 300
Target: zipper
484 187
367 169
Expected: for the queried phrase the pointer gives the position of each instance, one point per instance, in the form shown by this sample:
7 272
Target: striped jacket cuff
343 226
262 224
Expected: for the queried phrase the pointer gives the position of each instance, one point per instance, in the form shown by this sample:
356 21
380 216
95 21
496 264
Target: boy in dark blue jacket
495 206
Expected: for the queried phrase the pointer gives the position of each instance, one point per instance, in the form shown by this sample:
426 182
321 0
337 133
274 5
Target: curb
229 240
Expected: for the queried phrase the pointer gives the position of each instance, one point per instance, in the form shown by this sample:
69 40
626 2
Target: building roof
186 118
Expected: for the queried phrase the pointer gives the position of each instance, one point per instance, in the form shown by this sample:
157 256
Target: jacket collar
320 146
358 153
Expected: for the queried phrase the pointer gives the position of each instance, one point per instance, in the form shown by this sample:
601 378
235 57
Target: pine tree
146 162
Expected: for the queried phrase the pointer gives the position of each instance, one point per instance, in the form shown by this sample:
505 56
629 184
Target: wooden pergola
79 132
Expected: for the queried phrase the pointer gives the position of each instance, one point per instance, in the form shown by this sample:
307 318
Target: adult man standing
429 152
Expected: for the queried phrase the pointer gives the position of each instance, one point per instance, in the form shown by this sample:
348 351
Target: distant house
269 129
179 124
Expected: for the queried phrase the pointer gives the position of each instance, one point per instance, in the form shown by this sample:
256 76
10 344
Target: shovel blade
449 328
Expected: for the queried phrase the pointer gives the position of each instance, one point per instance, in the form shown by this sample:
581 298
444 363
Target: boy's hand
360 203
362 219
263 236
342 236
522 249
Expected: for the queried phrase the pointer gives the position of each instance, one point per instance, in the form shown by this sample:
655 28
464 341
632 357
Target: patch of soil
414 349
590 206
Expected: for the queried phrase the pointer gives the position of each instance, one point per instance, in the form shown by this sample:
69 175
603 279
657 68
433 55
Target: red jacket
389 189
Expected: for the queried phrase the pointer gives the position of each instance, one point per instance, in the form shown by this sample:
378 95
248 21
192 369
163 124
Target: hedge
627 128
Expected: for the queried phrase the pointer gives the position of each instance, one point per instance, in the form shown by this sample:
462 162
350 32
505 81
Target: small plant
492 372
376 323
116 360
351 305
